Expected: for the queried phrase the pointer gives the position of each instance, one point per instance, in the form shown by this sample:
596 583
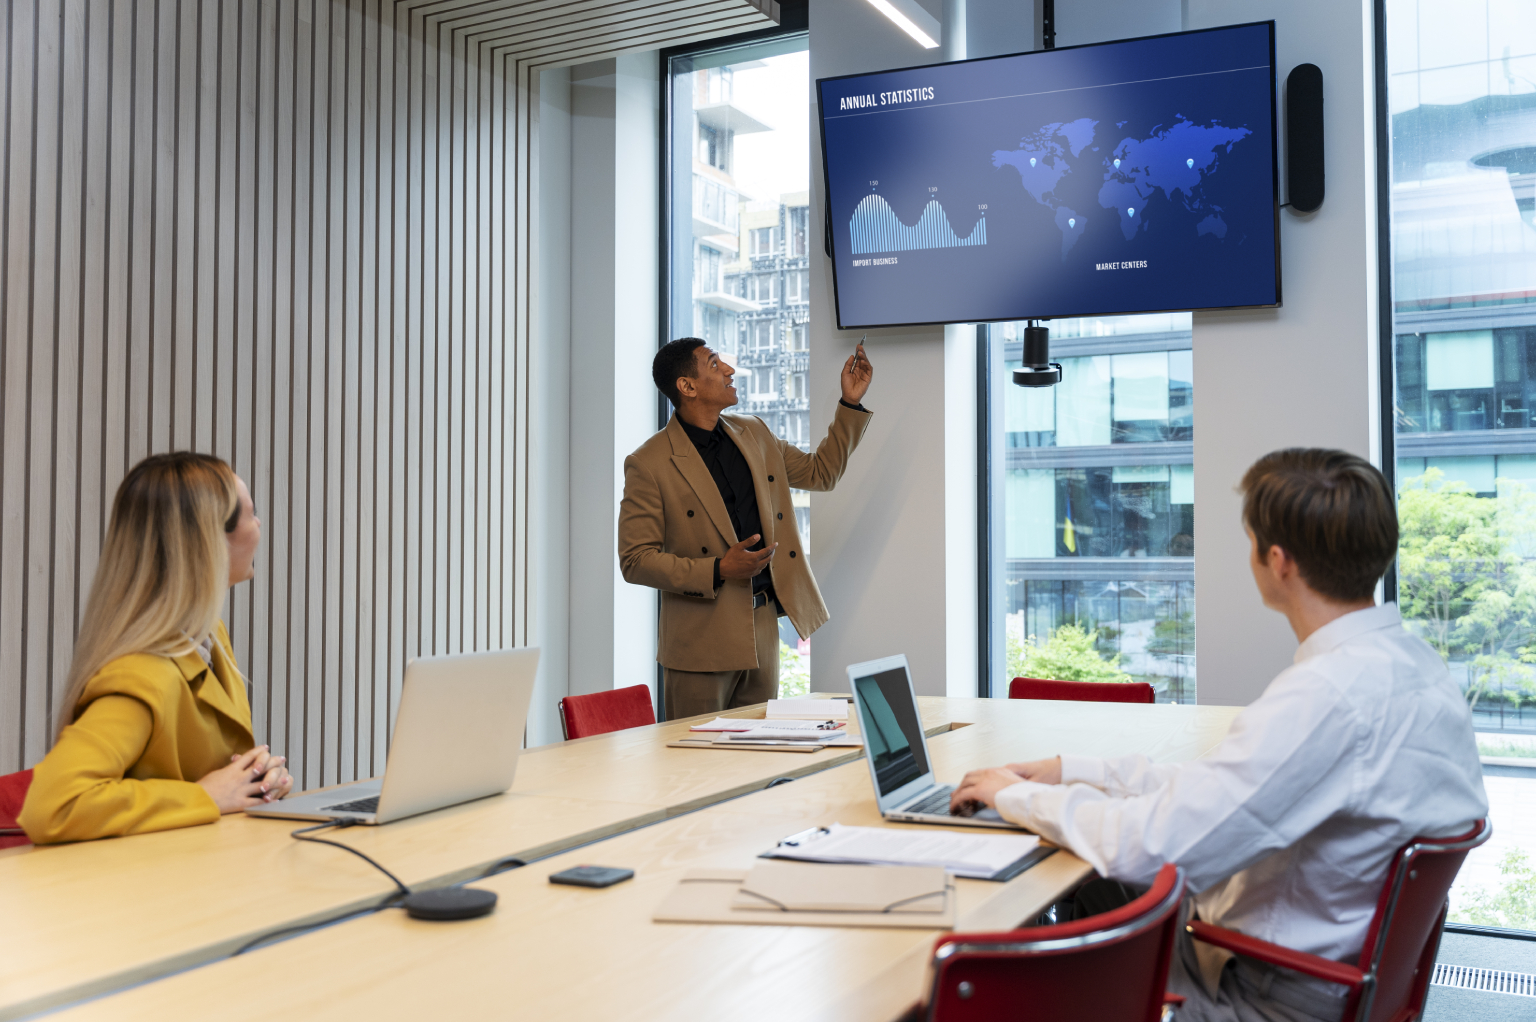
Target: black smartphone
591 876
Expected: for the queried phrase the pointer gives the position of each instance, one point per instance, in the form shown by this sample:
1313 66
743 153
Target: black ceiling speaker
1304 137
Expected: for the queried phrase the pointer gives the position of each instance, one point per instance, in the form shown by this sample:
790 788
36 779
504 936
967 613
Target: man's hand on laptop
1041 771
982 786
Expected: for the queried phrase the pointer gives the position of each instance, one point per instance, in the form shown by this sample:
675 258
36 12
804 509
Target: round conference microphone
1038 369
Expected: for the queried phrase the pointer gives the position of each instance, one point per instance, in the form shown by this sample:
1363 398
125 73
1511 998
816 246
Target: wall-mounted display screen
1133 176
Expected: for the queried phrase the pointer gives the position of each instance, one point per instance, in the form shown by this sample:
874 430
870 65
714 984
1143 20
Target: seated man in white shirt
1286 829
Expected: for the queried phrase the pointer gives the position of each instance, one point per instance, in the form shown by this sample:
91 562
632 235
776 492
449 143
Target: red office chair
13 792
602 712
1400 947
1082 691
1057 972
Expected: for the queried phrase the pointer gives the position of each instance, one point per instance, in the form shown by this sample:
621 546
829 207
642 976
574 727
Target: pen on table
795 840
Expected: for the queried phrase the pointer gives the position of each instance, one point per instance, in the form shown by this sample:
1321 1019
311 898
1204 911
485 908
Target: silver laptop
898 750
457 737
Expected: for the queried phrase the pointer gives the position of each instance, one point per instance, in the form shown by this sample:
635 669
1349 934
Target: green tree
1465 581
1173 636
1512 906
1068 655
1449 552
794 672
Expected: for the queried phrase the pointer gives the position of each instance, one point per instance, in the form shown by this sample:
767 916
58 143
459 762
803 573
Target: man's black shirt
729 469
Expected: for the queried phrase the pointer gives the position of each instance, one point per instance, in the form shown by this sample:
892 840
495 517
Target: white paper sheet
808 709
748 724
964 854
781 730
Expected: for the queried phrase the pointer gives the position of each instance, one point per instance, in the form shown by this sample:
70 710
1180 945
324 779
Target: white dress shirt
1285 830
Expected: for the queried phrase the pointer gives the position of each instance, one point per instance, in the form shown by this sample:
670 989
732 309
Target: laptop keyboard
936 803
361 805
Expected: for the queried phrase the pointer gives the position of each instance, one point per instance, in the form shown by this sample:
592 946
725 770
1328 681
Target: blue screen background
938 216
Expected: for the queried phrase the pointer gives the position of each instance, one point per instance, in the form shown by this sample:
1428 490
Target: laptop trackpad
988 814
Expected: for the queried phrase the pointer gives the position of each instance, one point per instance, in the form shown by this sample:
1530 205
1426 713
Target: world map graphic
1059 166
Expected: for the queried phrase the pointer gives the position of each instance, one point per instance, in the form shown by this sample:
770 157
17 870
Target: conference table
102 918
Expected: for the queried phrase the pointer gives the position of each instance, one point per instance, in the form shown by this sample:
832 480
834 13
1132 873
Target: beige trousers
690 693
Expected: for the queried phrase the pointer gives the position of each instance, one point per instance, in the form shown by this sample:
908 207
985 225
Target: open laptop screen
892 730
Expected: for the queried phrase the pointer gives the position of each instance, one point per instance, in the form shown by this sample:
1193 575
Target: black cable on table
301 833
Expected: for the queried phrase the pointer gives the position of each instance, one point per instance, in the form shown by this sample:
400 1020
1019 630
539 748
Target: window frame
1386 341
794 19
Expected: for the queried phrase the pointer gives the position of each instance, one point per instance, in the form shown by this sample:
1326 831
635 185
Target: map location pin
1190 164
1130 211
1031 161
1071 222
1117 164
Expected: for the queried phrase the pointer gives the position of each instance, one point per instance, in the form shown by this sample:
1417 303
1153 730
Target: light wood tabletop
552 951
82 919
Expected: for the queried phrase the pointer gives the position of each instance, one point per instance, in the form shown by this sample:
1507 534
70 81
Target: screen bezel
922 783
1274 177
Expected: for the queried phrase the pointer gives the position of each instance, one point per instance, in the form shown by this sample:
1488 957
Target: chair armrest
1310 965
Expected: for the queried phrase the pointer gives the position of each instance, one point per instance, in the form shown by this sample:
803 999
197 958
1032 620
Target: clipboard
797 847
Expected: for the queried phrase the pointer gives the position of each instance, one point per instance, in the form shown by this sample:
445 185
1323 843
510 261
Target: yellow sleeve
79 792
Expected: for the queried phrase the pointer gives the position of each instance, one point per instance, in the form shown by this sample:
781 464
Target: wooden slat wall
297 234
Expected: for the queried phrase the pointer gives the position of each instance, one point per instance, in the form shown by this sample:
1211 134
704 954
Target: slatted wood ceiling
297 234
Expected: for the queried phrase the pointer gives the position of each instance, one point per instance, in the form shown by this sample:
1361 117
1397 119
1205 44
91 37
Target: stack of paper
967 855
789 731
728 724
807 709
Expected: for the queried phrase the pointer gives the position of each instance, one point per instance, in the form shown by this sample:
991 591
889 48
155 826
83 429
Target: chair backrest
1057 972
1082 691
1400 946
602 712
13 792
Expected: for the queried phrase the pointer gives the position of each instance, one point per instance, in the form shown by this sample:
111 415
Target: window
709 269
797 285
716 203
737 125
763 384
762 334
762 241
799 225
760 287
1461 97
1091 533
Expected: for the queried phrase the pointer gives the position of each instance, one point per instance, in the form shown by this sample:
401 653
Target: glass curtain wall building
738 247
1462 107
1093 488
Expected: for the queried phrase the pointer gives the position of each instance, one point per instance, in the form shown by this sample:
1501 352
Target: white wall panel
295 234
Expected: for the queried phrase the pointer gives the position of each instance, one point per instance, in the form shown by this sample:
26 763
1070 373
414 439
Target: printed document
963 854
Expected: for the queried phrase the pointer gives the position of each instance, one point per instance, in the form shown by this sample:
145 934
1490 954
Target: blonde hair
164 568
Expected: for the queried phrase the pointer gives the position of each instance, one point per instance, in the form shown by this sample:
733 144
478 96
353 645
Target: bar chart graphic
875 227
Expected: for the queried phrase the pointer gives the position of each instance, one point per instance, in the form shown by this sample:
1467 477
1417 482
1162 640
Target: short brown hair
1331 511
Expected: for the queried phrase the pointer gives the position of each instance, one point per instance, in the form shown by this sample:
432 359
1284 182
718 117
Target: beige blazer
673 524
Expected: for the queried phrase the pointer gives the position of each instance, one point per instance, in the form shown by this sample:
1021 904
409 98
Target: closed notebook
809 887
709 896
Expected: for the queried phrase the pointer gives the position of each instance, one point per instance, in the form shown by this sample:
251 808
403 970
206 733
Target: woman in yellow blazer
155 728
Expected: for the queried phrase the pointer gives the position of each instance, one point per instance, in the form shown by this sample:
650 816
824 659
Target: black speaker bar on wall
1304 137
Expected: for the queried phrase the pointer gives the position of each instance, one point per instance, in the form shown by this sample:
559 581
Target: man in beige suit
707 519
